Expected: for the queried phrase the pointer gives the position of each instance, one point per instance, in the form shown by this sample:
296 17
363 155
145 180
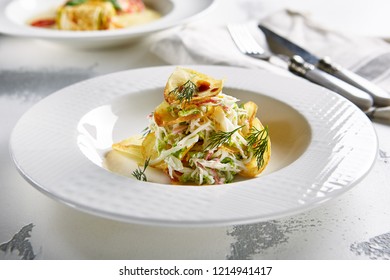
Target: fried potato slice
219 119
251 168
201 85
130 146
149 151
161 114
148 148
251 109
164 117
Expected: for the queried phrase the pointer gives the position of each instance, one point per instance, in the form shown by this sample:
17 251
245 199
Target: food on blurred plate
199 135
84 15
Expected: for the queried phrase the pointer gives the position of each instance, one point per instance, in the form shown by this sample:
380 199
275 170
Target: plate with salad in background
96 23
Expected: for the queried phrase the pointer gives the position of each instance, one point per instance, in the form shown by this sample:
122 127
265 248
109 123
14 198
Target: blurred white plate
15 14
322 145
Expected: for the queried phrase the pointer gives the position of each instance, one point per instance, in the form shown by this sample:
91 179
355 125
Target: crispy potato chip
252 169
164 117
251 109
148 148
161 114
218 117
131 146
186 82
149 151
121 163
232 150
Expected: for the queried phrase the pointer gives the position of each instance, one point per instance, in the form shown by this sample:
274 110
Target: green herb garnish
146 131
75 2
185 91
116 5
220 137
139 173
258 141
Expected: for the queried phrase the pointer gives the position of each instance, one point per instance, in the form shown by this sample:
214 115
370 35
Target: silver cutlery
282 45
247 44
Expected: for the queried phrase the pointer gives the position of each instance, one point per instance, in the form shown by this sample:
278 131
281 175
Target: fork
247 44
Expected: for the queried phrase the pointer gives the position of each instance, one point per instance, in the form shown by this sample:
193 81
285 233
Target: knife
247 44
300 67
281 45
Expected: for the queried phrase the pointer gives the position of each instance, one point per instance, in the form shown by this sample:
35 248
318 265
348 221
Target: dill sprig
220 137
146 131
116 5
258 141
185 92
75 2
139 173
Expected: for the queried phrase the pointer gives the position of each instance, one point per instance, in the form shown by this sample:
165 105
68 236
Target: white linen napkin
189 45
367 56
200 44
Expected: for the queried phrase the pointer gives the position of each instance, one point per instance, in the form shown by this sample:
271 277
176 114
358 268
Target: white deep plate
15 14
322 145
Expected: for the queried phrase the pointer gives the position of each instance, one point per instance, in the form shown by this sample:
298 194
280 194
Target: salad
83 15
200 135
